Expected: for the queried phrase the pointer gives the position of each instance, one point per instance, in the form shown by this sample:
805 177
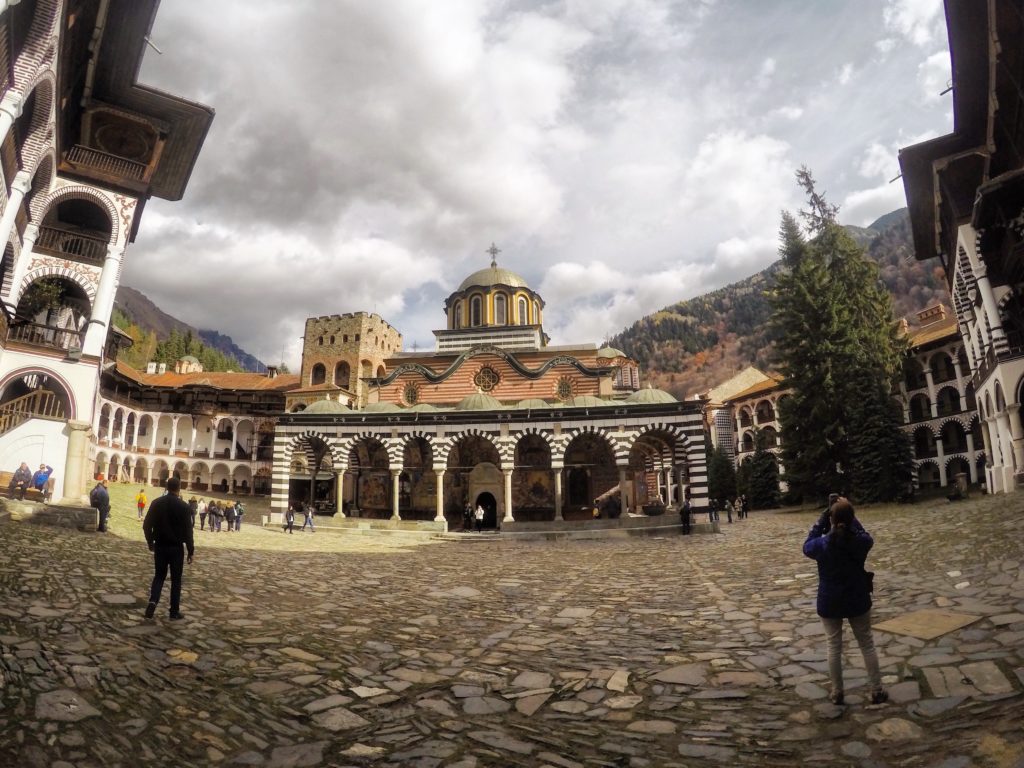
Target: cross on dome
494 251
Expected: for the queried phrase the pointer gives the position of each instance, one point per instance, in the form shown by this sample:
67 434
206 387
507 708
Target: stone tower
342 350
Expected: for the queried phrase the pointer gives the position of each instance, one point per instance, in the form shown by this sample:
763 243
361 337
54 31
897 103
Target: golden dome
493 275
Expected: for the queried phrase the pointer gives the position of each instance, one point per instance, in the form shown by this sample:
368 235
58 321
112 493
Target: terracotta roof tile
930 333
774 382
215 379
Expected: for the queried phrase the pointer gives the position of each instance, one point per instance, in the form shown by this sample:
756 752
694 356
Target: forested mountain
691 346
161 338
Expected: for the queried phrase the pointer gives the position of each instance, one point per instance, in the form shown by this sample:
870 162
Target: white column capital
13 102
21 183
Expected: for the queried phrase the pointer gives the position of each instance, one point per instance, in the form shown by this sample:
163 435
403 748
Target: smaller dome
382 408
422 407
189 359
533 402
327 406
478 402
609 353
649 396
586 401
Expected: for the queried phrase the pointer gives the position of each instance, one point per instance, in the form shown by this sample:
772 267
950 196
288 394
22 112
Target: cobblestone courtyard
317 649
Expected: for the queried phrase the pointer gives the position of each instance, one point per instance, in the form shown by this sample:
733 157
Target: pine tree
763 473
721 475
840 350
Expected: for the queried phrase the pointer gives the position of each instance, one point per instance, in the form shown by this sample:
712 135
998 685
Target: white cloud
885 45
919 21
616 150
934 75
864 206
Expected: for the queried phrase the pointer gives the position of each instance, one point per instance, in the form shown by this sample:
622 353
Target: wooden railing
78 245
45 336
41 404
109 165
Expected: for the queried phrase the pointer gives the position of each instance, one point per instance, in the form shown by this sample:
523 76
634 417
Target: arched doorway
486 500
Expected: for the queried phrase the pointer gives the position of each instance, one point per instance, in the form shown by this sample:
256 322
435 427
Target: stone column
992 321
941 459
670 487
20 186
174 442
1016 435
933 404
152 442
135 433
13 102
213 441
439 508
234 438
395 481
622 490
508 496
192 440
149 473
75 462
558 492
339 493
102 305
21 265
972 468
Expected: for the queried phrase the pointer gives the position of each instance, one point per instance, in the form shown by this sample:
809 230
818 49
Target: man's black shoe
150 610
177 616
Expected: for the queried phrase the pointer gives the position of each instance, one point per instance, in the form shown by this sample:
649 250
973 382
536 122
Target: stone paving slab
927 624
309 650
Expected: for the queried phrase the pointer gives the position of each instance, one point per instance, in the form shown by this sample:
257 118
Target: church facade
494 417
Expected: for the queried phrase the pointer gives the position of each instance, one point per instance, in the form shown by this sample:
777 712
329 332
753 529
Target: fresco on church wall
532 489
374 491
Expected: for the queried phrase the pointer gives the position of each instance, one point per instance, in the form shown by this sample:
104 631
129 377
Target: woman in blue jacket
840 545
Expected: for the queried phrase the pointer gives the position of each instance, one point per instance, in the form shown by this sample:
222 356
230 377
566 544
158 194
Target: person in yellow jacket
140 502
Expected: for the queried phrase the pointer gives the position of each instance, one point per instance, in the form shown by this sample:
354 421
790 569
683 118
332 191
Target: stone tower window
332 340
320 341
342 374
318 375
564 389
486 378
523 311
411 394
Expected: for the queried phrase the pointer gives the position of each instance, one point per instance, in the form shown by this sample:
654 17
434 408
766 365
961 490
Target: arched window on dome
523 318
475 310
536 312
500 310
457 315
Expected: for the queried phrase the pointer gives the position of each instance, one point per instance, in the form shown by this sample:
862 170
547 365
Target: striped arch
42 182
681 445
407 438
445 450
958 419
389 444
953 456
332 449
39 48
56 270
40 127
81 192
619 449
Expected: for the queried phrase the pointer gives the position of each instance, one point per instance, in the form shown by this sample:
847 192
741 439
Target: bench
31 494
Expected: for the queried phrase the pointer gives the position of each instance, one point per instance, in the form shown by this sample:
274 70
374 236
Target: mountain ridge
148 316
692 345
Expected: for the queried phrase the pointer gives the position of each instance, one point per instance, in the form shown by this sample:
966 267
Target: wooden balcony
95 164
45 336
69 244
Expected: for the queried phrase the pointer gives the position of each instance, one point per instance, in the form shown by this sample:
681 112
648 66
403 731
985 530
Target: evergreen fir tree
763 472
840 351
721 475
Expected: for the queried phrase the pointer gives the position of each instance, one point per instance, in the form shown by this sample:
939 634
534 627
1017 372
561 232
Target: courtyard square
333 650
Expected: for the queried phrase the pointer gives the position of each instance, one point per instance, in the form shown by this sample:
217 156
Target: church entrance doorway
490 505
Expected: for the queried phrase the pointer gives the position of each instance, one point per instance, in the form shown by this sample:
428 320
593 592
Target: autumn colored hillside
691 346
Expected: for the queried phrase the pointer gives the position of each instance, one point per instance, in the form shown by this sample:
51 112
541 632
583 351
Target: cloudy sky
623 154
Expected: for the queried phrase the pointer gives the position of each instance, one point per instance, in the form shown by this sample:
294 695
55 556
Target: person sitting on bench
41 477
21 481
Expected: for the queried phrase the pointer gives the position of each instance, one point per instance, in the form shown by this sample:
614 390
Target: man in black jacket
168 526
